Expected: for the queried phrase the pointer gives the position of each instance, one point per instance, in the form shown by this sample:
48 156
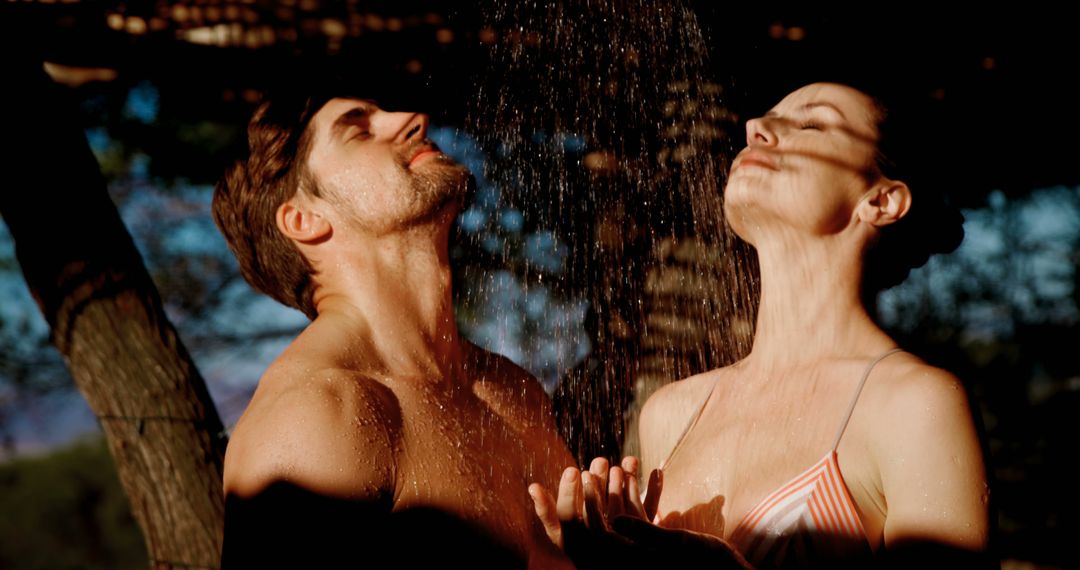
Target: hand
599 519
576 521
623 494
589 499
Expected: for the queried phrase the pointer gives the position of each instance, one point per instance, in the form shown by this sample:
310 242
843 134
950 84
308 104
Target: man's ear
300 221
885 204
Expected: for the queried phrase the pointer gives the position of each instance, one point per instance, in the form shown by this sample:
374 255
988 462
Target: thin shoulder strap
855 399
689 426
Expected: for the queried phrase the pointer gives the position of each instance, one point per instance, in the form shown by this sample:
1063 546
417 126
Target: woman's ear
300 221
885 204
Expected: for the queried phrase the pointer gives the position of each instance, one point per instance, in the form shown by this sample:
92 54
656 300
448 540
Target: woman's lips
756 160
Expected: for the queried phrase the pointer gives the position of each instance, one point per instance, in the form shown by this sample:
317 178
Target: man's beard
437 186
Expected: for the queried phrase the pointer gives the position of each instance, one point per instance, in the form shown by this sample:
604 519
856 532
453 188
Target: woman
827 443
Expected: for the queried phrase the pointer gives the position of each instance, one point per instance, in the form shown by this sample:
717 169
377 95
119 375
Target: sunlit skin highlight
812 216
380 401
807 194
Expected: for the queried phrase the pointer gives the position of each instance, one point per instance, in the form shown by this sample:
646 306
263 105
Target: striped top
809 521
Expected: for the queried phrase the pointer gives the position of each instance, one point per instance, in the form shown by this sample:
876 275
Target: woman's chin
738 218
740 227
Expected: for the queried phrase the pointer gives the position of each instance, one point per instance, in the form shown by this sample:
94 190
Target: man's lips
424 153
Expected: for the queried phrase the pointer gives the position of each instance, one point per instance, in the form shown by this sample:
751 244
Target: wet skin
805 192
453 468
379 433
807 195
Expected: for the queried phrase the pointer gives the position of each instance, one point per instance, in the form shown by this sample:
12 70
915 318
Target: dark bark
107 321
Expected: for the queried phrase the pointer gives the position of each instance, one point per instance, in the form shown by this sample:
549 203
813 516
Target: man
379 432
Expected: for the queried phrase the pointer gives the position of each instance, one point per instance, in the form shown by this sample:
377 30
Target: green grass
67 510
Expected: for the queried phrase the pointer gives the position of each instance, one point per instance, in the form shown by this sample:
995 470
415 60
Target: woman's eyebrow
809 106
815 104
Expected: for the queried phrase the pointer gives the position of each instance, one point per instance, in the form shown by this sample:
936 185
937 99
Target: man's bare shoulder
504 383
328 430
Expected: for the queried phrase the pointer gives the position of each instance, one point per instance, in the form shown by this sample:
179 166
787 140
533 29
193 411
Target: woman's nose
760 132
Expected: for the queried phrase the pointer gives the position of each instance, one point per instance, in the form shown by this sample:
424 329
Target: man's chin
444 196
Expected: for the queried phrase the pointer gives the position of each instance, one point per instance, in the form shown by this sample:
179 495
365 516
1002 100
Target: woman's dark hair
910 149
932 225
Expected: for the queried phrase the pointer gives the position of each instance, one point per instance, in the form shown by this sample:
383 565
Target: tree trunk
107 320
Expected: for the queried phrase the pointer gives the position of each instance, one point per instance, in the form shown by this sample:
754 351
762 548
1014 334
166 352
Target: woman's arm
931 468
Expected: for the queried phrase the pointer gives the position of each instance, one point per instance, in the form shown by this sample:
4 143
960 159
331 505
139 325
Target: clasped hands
599 519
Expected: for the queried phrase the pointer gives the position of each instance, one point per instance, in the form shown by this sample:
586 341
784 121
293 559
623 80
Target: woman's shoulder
683 395
904 386
927 452
668 411
914 409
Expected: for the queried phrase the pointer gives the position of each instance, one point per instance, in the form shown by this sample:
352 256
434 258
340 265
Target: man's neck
392 297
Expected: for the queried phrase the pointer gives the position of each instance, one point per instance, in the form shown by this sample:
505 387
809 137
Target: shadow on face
807 163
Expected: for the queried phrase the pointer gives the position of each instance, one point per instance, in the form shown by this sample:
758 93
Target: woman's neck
811 308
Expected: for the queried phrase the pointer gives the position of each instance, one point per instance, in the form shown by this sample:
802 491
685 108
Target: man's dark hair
275 168
248 196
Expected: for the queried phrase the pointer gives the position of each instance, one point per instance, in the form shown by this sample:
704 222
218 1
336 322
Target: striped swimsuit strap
692 422
816 503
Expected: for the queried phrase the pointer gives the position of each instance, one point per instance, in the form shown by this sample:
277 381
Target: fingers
632 492
631 465
652 495
594 506
616 492
545 508
593 497
632 498
568 504
599 467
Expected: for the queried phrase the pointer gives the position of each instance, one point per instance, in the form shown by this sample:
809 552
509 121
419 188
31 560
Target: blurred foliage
28 363
1002 313
67 510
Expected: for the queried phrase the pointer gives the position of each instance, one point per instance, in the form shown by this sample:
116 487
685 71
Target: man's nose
409 126
760 132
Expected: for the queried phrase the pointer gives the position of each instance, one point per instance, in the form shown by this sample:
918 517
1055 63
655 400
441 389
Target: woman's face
806 165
